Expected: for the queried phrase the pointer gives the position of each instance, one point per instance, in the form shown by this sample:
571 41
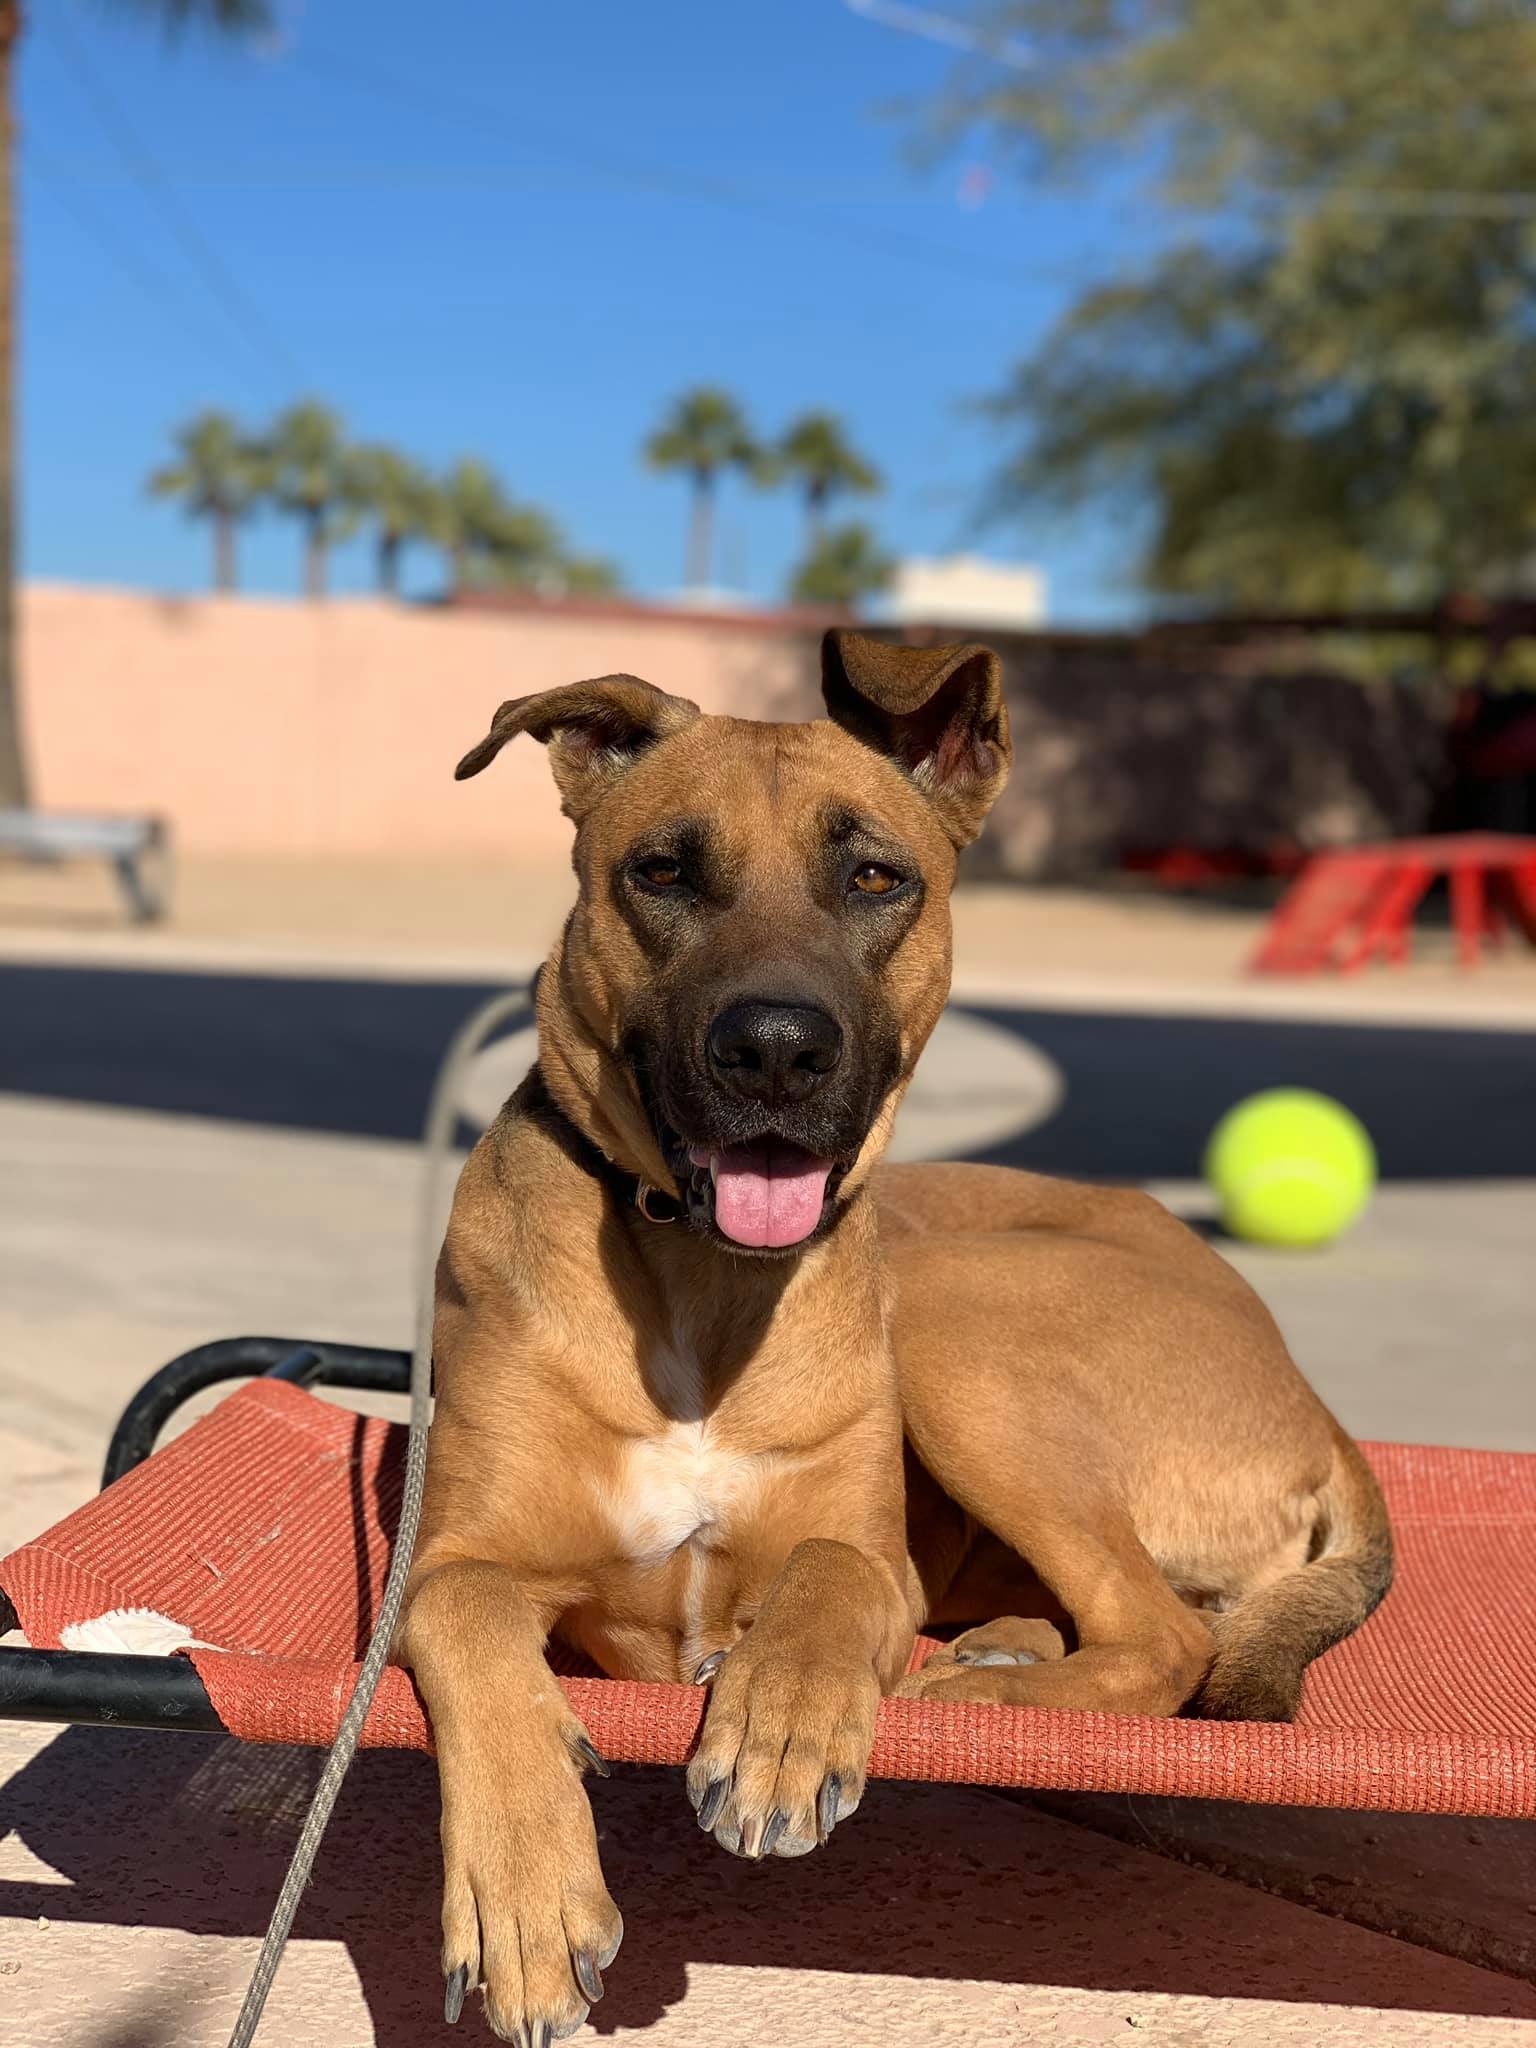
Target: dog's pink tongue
768 1196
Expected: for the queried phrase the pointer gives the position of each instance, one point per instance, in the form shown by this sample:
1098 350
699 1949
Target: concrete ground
136 1871
140 1870
126 1237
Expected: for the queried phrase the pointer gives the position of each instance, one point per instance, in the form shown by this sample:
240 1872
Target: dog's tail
1265 1643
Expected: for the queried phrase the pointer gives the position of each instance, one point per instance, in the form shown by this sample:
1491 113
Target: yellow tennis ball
1290 1167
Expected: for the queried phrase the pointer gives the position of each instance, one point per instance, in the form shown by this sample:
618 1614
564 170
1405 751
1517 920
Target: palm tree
555 574
217 475
704 433
228 17
470 507
231 17
486 537
523 546
815 452
844 565
400 498
587 576
305 471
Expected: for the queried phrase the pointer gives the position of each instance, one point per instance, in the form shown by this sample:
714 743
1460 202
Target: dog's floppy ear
938 712
594 732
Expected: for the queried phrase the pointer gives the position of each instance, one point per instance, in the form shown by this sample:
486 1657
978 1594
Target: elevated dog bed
259 1539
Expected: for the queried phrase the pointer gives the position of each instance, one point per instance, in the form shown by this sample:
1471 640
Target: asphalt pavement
1138 1093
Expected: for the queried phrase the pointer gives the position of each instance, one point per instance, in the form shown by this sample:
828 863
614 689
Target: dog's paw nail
588 1976
827 1805
593 1757
711 1803
778 1821
453 1994
981 1659
708 1668
606 1956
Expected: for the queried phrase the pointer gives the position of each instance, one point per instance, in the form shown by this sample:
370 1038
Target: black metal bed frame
106 1690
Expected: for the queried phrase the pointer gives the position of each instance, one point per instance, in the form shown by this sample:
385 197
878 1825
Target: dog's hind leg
1052 1542
1140 1649
1011 1639
1266 1641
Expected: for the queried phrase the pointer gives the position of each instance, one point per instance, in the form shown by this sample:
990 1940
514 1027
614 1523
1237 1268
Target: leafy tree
225 17
816 454
1320 393
704 434
217 474
845 564
306 472
399 498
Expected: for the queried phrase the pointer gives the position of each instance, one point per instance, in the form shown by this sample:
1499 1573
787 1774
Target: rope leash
437 1142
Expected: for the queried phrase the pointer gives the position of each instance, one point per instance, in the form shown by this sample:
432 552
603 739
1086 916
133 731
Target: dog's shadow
936 1882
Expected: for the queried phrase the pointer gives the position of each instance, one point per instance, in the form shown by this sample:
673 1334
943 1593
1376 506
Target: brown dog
684 1327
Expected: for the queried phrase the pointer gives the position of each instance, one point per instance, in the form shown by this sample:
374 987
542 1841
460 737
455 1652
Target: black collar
628 1189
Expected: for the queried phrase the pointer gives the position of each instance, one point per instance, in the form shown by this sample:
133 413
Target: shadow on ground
944 1883
1141 1092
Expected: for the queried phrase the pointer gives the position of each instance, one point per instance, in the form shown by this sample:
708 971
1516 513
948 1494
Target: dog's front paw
526 1914
784 1750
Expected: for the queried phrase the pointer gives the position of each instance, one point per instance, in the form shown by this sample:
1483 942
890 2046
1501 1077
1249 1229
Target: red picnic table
1357 904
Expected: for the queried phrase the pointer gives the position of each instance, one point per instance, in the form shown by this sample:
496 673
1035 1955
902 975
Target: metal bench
138 850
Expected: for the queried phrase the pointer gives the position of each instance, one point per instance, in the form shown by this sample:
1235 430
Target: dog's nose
774 1051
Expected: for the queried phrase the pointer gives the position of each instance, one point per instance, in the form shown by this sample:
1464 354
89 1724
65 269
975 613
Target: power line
150 280
222 286
662 177
944 28
225 169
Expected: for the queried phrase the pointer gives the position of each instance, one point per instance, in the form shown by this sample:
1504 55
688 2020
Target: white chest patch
681 1487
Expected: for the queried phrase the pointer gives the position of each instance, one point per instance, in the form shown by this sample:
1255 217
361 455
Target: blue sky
515 232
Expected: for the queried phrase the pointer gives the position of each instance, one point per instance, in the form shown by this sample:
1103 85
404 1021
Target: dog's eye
660 872
874 880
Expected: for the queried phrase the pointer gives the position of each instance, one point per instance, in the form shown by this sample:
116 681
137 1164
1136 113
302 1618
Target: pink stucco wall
263 727
260 726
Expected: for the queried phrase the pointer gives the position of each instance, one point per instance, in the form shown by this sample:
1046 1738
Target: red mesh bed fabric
266 1528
